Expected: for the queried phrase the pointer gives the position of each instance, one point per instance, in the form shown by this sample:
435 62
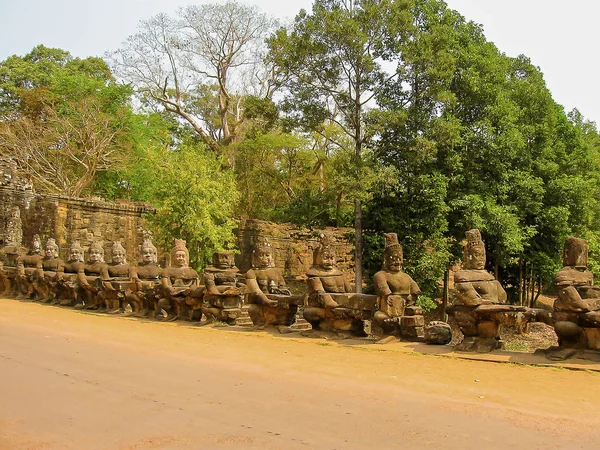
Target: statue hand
389 300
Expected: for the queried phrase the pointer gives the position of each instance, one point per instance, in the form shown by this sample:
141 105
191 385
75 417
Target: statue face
95 255
180 259
149 255
75 254
393 261
327 260
118 257
224 260
476 258
50 252
36 247
264 258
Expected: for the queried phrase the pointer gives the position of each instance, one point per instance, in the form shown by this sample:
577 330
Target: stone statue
27 266
10 253
52 269
116 280
145 281
577 308
474 285
67 281
331 304
178 283
223 298
397 294
479 308
271 303
89 281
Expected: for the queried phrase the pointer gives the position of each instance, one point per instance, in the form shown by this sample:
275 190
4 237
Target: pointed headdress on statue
391 244
262 244
52 244
180 247
118 247
326 246
97 246
76 246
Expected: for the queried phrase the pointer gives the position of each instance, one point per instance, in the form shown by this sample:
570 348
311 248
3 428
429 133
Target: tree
62 120
194 199
199 65
329 63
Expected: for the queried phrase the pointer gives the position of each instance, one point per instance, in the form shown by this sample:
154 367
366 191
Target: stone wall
293 246
73 219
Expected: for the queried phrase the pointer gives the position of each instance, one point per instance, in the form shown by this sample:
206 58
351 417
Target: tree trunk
521 281
444 316
532 286
358 245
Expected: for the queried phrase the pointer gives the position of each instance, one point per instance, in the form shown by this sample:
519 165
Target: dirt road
72 380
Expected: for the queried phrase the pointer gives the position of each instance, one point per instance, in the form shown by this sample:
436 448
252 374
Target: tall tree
199 65
330 67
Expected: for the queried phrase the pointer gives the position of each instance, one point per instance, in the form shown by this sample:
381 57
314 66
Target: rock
438 333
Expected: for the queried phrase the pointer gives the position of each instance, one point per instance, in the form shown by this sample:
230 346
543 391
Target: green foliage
194 199
427 303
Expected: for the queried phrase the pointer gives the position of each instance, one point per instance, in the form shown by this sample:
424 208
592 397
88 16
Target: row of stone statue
330 304
179 292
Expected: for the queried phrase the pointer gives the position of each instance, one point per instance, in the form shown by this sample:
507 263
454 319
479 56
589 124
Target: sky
559 36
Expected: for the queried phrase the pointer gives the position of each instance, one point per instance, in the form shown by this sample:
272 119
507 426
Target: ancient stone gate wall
72 219
293 246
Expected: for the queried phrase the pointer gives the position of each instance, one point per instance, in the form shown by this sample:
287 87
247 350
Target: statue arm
467 293
105 278
253 290
382 289
315 286
165 282
208 280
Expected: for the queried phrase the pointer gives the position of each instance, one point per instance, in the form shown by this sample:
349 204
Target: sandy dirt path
73 380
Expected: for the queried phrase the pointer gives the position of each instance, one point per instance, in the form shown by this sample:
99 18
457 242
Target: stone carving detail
115 281
46 284
27 267
68 279
89 281
178 283
331 305
480 307
397 294
577 308
269 300
145 282
223 297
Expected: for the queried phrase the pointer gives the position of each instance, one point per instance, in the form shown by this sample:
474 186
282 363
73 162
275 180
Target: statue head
474 251
36 245
223 260
75 252
118 253
149 252
180 256
324 255
392 254
575 252
51 248
96 252
262 255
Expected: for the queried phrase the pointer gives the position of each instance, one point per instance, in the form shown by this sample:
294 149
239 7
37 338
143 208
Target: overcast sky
557 35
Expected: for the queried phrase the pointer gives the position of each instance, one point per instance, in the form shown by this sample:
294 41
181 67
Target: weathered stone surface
292 246
438 333
577 308
69 219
